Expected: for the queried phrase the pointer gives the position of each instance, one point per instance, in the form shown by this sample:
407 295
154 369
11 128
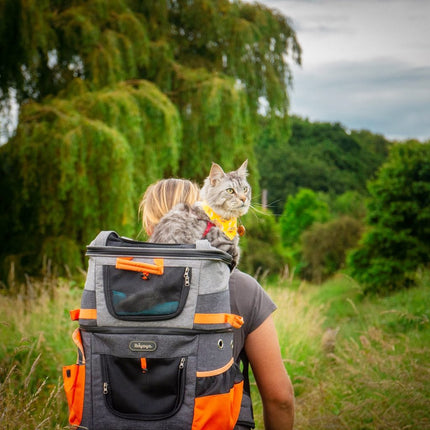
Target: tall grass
34 345
356 362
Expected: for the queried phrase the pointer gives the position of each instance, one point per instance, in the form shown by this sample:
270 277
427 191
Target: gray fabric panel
184 320
210 355
167 345
90 280
214 303
88 300
214 277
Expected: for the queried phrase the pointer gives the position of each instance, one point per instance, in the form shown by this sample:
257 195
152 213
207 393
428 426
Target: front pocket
143 388
74 382
138 296
74 386
218 400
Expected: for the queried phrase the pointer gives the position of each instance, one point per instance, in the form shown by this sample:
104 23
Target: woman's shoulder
239 279
249 299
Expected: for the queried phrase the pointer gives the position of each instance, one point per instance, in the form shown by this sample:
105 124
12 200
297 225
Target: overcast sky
366 64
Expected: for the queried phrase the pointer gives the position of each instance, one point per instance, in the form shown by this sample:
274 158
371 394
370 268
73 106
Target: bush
300 212
324 247
398 240
261 248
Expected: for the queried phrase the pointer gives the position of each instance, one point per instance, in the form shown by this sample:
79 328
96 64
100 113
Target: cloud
366 63
383 95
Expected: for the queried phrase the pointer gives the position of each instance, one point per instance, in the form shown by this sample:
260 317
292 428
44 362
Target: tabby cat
223 198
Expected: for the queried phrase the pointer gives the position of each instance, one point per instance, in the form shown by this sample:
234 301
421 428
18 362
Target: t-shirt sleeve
250 300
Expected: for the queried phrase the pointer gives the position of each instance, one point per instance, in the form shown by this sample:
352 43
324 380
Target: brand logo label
142 345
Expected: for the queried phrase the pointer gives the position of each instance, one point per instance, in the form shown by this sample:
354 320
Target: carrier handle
127 263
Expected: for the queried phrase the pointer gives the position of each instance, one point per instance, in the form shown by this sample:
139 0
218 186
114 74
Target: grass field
356 362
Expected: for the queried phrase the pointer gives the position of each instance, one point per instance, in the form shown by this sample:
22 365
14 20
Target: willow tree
114 95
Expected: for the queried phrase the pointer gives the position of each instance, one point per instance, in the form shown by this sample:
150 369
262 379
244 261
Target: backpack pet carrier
155 339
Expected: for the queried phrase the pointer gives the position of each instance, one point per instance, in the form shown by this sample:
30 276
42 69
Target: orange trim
235 321
74 382
143 364
74 314
88 314
74 386
215 372
218 411
126 263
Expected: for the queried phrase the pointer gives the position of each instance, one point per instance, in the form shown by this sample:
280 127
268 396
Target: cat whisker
260 211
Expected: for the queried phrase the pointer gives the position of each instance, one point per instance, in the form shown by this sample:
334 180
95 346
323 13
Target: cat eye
230 190
245 189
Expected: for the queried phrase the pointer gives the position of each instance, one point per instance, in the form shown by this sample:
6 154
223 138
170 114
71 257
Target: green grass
35 342
373 374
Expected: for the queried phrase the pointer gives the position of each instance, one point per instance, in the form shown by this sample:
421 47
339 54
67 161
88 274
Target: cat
223 198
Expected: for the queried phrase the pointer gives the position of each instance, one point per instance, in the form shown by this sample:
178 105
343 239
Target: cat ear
216 174
242 171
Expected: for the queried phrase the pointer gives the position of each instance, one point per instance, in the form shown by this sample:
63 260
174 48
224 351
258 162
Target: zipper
115 251
187 277
152 330
182 363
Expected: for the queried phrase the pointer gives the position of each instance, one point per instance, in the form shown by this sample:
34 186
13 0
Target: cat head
228 194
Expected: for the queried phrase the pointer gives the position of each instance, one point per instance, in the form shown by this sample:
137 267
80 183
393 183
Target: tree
398 238
114 95
300 212
320 156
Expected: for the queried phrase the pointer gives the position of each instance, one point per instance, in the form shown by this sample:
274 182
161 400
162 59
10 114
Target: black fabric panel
218 384
133 393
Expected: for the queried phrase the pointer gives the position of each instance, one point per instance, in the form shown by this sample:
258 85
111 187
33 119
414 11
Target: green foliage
300 212
350 203
216 123
261 248
115 95
398 239
82 163
320 156
324 247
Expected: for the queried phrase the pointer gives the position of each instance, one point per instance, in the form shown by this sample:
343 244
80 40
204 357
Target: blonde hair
162 196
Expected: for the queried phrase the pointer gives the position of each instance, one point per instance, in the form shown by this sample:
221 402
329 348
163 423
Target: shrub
324 247
398 240
300 212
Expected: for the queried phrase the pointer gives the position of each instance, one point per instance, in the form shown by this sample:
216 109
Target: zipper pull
182 363
187 277
105 388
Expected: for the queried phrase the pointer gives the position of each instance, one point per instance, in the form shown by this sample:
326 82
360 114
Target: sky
365 64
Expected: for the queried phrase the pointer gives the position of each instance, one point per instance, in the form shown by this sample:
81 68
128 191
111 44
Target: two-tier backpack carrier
155 339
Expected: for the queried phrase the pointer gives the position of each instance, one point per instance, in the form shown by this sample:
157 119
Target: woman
257 341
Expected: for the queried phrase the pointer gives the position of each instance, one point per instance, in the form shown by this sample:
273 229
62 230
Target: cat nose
243 198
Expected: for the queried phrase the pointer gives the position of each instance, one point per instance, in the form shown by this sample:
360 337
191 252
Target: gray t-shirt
249 300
